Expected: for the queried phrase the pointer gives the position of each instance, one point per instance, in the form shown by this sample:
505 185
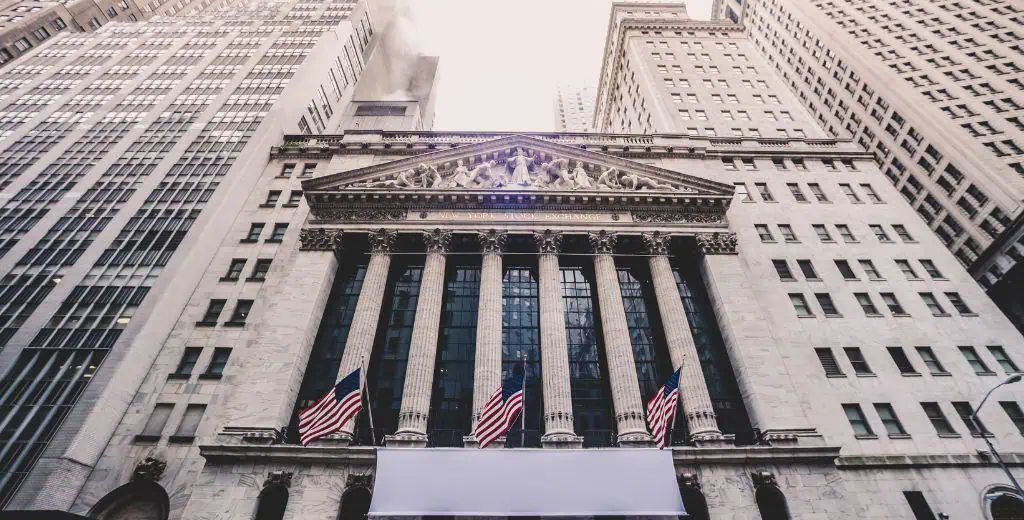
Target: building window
240 313
1003 359
22 44
902 232
807 268
741 190
827 306
186 431
889 420
156 422
255 230
259 272
828 362
764 232
938 419
850 194
234 270
869 269
899 357
1015 414
966 411
294 197
272 198
798 195
931 361
188 361
845 270
818 193
932 304
766 194
800 304
41 33
872 195
787 233
929 267
287 170
308 169
907 269
880 233
844 231
782 269
975 361
822 232
866 304
893 304
857 361
958 303
278 233
858 421
919 506
212 312
217 363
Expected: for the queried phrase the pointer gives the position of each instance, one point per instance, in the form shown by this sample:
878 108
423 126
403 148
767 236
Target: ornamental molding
686 217
689 481
320 239
548 242
150 469
763 479
278 479
363 481
603 242
361 215
656 243
382 241
492 241
437 241
717 243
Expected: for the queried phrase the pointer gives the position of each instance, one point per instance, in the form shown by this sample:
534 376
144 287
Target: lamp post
984 433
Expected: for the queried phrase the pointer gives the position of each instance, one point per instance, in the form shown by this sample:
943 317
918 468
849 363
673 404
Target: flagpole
369 402
675 412
522 428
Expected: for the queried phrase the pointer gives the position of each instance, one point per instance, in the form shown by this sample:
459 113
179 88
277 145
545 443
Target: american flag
661 409
332 411
500 412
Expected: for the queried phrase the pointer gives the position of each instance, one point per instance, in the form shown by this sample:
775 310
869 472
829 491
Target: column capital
320 239
492 241
717 243
656 243
548 242
437 240
382 241
603 242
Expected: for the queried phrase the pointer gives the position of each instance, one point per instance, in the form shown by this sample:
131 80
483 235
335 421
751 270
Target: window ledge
835 376
175 375
876 315
876 279
828 241
969 315
253 279
941 315
899 435
273 241
206 324
833 315
228 279
868 375
805 316
248 241
813 279
210 376
942 374
182 439
147 438
792 241
866 437
900 315
985 373
980 435
852 241
268 205
234 323
289 205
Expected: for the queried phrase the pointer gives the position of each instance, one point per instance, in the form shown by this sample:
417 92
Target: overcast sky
501 59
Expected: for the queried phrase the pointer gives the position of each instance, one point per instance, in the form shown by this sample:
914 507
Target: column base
636 440
715 440
564 441
334 440
406 440
469 441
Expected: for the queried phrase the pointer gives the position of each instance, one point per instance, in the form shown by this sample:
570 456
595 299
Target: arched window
355 504
272 502
695 505
771 503
1007 507
138 500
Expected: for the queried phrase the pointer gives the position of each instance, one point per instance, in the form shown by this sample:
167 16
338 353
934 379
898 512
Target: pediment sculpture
520 171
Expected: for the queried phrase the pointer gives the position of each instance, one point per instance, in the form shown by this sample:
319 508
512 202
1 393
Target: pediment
519 164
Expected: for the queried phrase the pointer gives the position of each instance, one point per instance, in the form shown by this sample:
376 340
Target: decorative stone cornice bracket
717 243
320 239
278 479
763 478
689 481
151 470
363 481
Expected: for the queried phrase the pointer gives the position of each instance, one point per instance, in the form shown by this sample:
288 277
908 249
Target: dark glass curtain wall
520 336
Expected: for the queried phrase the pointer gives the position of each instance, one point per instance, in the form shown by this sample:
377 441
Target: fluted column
693 390
487 367
625 386
419 371
554 350
363 330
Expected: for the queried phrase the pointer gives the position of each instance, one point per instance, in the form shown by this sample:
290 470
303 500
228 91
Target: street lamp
984 433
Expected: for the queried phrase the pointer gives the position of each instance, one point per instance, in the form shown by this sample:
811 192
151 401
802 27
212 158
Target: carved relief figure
580 178
520 165
481 175
609 180
461 175
632 181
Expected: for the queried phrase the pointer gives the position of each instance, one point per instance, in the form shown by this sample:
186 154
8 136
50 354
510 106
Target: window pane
190 421
157 420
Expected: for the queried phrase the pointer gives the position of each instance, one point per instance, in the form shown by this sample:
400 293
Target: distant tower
574 108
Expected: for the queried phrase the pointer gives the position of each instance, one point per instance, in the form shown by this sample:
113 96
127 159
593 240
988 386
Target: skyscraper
934 91
574 108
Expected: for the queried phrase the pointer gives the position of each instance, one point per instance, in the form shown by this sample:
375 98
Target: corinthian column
554 350
487 368
419 371
693 391
629 408
361 334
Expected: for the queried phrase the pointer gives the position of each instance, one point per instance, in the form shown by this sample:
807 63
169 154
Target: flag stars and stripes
333 410
661 410
501 410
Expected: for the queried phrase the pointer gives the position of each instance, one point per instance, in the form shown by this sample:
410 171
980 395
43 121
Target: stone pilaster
693 390
363 331
419 371
629 408
487 368
554 350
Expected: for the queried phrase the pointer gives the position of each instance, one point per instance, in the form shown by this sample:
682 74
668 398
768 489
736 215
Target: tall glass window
520 336
714 360
591 399
329 346
649 352
451 410
386 375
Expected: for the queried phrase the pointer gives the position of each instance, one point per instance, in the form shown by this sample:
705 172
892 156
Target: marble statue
580 179
520 165
609 180
461 176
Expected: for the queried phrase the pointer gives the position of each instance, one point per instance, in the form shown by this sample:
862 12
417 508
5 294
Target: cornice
288 453
925 460
688 456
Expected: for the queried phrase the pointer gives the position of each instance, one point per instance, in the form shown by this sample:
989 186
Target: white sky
501 59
